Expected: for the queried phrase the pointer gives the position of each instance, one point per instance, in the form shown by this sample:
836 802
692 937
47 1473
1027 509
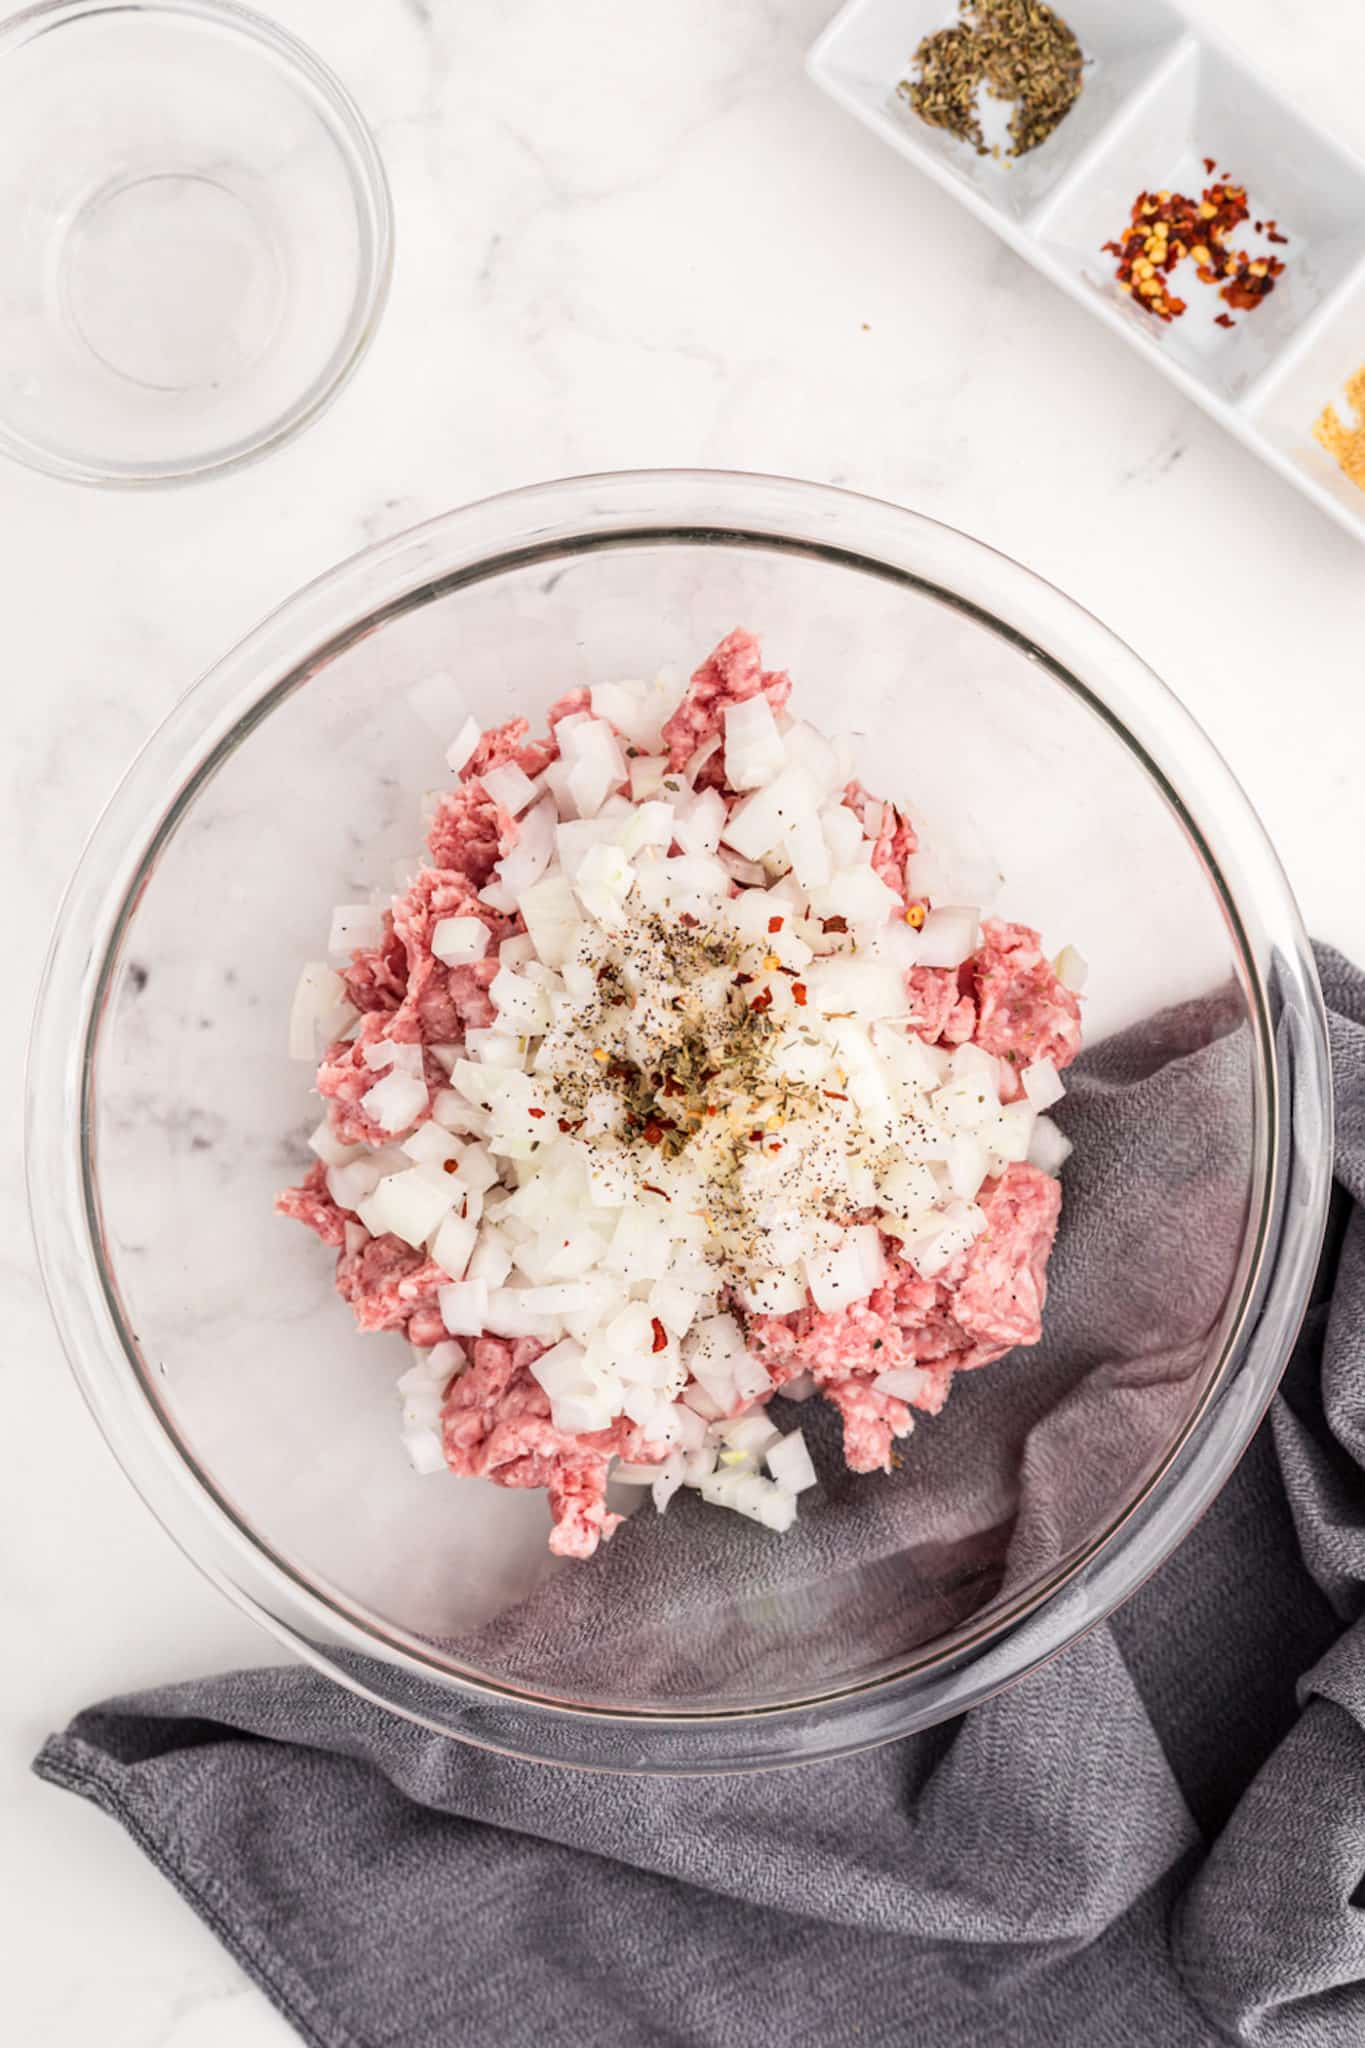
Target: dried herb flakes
1020 50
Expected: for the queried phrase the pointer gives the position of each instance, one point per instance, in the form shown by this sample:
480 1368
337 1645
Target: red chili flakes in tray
1167 227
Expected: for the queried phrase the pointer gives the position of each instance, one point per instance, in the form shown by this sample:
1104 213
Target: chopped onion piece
395 1102
451 1248
319 1013
510 787
1071 969
325 1145
407 1205
461 749
754 753
1042 1084
425 1454
849 1271
1048 1149
457 940
647 772
464 1305
948 937
790 1462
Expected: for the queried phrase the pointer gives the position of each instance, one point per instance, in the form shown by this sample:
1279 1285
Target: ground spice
1020 50
1167 227
1346 444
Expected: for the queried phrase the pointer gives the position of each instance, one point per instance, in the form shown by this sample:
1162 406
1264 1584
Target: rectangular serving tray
1157 101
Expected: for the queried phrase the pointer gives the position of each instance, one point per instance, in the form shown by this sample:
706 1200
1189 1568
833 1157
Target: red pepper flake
743 980
1209 162
653 1134
763 1000
1224 320
799 994
660 1335
774 924
686 918
834 1095
1167 227
568 1127
755 1137
649 1188
834 924
535 1112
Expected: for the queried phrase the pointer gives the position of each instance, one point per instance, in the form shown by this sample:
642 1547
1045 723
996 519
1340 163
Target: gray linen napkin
1157 1838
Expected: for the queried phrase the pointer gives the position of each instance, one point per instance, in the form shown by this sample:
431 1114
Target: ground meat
390 1285
441 1003
729 675
989 1300
565 707
377 977
469 833
496 1425
941 1012
895 842
345 1075
309 1203
1000 1296
1024 1012
504 743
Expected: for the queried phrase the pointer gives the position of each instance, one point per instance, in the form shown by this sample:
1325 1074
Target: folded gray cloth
1157 1838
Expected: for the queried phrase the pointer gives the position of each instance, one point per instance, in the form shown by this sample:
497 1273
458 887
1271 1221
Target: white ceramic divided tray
1157 100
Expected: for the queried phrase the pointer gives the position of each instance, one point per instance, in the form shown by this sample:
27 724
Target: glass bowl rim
407 571
350 135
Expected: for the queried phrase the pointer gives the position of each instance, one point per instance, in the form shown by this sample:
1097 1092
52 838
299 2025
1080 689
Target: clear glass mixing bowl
263 1430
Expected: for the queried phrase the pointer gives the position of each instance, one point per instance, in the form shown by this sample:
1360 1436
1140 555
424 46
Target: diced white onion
408 1205
461 748
1048 1149
1071 969
457 940
790 1462
510 786
319 1013
463 1306
396 1101
949 936
754 753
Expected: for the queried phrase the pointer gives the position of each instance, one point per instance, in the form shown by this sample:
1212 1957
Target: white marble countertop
626 237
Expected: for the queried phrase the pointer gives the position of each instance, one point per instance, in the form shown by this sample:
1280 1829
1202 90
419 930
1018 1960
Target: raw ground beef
344 1076
388 1285
496 1425
895 842
731 674
496 1418
987 1301
1023 1013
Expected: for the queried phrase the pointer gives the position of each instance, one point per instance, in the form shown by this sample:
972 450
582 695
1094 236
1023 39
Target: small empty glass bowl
195 237
264 1429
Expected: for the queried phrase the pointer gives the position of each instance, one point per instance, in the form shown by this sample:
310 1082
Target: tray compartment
1208 105
868 48
1282 409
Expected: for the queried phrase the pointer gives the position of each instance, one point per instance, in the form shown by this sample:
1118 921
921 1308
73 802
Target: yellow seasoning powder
1347 444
